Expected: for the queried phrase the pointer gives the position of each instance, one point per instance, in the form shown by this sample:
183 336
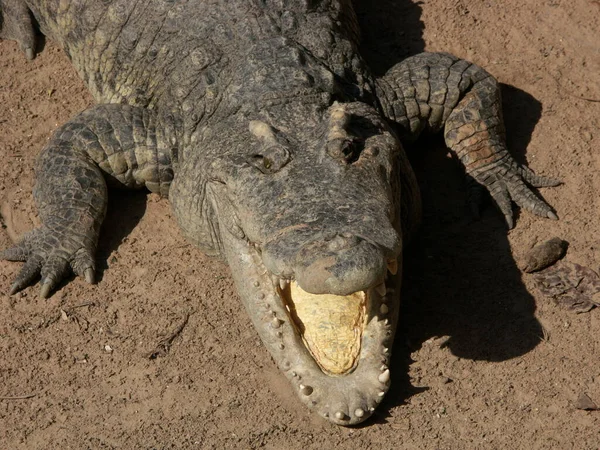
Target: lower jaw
346 399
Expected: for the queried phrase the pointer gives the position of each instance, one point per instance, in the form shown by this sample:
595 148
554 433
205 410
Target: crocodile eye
261 162
271 160
273 154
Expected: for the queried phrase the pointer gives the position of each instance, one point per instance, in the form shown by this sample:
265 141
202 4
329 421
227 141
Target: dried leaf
570 285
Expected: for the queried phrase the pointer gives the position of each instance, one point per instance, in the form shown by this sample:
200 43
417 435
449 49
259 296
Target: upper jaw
338 263
345 399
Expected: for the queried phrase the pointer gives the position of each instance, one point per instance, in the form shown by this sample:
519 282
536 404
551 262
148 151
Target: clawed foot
52 256
507 183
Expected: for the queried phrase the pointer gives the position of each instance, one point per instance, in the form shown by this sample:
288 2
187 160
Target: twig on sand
587 99
18 397
162 348
81 305
572 94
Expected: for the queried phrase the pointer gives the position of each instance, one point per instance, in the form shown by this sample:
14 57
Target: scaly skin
279 152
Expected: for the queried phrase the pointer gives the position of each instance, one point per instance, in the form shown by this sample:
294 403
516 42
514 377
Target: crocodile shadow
460 279
391 30
118 225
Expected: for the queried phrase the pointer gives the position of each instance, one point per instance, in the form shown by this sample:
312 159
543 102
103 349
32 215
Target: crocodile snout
340 265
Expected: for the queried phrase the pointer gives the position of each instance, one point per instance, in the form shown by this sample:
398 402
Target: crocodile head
304 205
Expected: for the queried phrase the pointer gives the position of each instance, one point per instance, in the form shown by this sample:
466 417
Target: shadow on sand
125 210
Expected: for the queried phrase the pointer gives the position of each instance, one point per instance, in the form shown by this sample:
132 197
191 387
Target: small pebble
544 255
585 403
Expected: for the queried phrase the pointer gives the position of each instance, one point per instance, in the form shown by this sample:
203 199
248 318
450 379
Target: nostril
347 149
273 153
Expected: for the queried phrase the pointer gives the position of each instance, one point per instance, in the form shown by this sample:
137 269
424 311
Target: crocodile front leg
116 143
431 91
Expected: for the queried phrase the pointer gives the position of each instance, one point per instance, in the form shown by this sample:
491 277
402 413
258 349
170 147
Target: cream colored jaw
331 326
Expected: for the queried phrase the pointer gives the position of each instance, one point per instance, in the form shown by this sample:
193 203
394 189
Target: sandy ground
481 359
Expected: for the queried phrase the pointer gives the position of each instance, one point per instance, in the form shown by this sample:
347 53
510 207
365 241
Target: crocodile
279 151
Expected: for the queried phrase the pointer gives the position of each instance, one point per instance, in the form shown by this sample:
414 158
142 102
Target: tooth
359 412
385 350
393 266
381 289
283 283
384 377
275 322
383 309
381 393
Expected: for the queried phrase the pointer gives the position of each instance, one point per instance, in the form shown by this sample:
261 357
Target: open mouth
334 349
332 326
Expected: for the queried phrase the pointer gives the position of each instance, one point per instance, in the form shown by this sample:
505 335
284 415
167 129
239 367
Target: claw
475 193
89 275
537 180
15 287
527 199
29 53
502 199
506 182
47 286
28 273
